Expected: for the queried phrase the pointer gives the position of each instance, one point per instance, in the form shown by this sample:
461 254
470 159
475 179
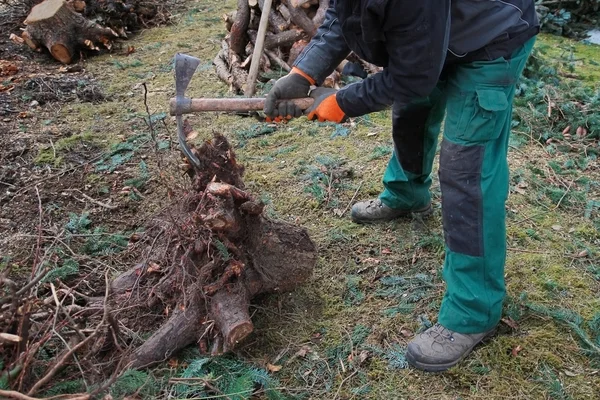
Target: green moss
54 154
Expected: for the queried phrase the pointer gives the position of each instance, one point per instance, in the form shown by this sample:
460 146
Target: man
458 59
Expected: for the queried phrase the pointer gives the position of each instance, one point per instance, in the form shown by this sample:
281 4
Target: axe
185 66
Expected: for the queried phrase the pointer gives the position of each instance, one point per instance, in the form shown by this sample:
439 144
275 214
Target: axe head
185 66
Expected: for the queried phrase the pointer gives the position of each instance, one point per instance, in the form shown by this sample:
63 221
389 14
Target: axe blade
185 66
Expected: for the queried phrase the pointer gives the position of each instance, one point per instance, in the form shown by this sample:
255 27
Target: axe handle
239 104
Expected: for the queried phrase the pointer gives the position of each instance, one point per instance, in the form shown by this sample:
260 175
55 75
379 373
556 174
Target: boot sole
443 367
424 213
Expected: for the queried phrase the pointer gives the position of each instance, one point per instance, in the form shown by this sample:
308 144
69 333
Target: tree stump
55 25
208 256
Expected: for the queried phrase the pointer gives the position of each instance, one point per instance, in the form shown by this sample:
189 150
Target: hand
325 107
294 85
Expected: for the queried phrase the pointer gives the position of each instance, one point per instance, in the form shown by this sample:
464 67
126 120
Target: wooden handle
239 104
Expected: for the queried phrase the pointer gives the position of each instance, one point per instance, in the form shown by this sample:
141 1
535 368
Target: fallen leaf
173 363
557 227
516 350
8 68
304 350
386 251
130 50
273 368
371 134
583 254
371 260
570 373
511 323
407 333
191 135
363 356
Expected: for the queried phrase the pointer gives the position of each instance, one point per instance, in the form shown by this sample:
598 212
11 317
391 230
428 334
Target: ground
78 157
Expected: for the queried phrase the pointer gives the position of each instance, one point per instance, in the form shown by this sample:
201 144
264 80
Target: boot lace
439 334
375 204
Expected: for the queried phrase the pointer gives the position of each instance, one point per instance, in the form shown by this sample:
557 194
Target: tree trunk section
229 308
54 24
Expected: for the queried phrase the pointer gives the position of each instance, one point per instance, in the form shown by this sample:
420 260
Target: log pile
64 27
292 23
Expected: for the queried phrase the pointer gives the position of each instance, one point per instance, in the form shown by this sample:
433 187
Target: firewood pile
291 25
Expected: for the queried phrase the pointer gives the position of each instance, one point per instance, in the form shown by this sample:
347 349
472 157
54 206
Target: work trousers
476 99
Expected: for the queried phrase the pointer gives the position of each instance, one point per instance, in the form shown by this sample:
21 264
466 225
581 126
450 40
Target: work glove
294 85
325 107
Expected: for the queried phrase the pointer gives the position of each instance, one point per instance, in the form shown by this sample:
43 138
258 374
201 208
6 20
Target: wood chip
9 338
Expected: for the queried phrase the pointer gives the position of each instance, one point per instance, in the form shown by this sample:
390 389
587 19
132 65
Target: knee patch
409 135
462 200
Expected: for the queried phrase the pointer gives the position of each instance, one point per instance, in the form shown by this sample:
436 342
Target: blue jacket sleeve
326 50
416 45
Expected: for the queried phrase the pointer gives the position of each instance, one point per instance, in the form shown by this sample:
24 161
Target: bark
229 308
238 33
282 40
299 18
181 330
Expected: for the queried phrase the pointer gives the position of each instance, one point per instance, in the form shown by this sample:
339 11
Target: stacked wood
64 27
292 23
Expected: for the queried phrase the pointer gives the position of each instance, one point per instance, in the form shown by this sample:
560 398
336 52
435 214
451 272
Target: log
277 60
229 308
296 50
181 330
277 23
238 33
299 18
283 39
55 25
321 11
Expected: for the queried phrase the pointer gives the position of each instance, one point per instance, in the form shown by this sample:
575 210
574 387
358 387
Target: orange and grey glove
294 85
325 107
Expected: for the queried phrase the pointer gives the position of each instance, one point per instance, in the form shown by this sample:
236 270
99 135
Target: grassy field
343 335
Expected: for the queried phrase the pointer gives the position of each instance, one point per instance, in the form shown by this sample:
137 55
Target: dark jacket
413 41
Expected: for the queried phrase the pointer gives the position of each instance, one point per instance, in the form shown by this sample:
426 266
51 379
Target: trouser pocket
479 116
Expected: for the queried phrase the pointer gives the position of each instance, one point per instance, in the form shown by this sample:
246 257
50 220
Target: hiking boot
375 211
438 348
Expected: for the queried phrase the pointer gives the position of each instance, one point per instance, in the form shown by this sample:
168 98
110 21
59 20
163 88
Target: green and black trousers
476 100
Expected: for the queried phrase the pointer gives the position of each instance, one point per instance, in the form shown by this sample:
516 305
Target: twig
33 282
60 362
11 394
329 189
277 60
342 383
97 202
39 240
352 199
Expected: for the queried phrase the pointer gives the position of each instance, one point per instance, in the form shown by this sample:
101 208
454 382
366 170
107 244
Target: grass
317 334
